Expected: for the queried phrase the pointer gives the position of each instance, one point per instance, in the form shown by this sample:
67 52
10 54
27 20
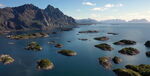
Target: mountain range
28 16
93 21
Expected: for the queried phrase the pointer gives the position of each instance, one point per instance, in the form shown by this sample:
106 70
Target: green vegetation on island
101 38
105 62
45 64
6 59
125 42
28 36
34 46
126 72
134 70
117 60
67 52
129 51
104 46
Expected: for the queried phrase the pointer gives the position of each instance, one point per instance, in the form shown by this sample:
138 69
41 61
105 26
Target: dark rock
125 42
59 45
117 60
148 53
129 51
89 31
147 44
112 33
66 29
104 46
83 39
54 32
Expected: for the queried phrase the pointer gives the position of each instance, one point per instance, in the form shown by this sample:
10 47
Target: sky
95 9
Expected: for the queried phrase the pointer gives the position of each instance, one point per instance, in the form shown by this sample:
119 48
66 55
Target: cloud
107 6
2 5
99 9
89 3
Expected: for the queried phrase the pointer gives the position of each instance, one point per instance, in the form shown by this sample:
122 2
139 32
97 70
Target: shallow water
86 62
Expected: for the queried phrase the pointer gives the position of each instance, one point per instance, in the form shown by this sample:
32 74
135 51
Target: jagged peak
27 6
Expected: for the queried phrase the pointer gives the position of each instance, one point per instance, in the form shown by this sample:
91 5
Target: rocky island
28 36
134 70
147 44
148 53
129 51
6 59
67 52
125 42
104 46
117 60
89 31
45 64
101 38
34 46
105 62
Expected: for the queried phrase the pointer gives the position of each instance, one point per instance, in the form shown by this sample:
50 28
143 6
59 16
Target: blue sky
96 9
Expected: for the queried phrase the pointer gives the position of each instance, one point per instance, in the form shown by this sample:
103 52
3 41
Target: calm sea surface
86 62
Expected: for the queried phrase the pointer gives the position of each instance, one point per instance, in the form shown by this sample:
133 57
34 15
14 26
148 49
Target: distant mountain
138 21
113 21
30 17
86 21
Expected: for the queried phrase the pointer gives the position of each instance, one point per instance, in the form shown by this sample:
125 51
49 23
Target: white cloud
89 3
2 5
107 6
99 9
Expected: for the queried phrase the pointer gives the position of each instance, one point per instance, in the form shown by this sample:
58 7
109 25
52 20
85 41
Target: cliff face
28 16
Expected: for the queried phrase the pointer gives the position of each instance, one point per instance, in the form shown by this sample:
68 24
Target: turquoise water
86 62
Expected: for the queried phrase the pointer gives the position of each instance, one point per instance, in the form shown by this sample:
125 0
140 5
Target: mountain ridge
28 16
93 21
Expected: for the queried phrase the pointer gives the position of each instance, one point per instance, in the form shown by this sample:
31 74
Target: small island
45 64
67 52
129 51
101 38
147 44
59 45
134 70
89 31
112 33
148 53
105 62
104 46
117 60
83 39
126 72
28 36
34 46
6 59
125 42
